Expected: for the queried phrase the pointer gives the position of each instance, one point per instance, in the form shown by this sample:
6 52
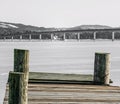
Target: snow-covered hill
7 25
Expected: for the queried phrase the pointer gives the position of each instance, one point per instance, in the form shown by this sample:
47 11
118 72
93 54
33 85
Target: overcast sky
61 13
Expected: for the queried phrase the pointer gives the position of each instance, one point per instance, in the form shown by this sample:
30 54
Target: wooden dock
42 89
26 87
71 94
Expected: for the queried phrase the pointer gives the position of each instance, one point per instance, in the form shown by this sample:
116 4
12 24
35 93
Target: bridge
112 33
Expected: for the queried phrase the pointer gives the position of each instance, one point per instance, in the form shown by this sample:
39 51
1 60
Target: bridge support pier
94 36
40 36
20 37
30 37
113 36
4 38
12 38
52 36
64 36
78 36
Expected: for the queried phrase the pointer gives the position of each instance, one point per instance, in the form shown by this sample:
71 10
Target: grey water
60 57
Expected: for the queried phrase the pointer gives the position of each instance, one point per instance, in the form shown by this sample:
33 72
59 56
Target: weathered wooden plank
70 86
113 92
70 102
59 76
73 86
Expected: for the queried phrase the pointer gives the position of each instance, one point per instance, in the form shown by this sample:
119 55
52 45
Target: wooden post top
20 50
101 53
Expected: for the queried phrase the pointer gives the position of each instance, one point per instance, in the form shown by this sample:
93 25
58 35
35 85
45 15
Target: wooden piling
21 64
21 61
102 68
17 88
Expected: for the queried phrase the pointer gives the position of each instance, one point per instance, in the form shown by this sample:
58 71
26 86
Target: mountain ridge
7 28
28 27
